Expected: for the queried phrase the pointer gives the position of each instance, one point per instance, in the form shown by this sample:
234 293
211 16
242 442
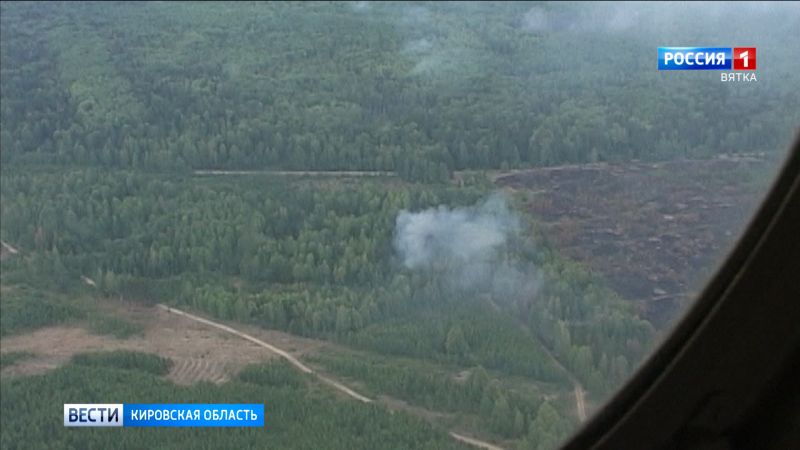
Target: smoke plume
467 248
443 236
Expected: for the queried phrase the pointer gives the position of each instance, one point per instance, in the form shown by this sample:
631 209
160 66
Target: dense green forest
113 113
421 89
299 415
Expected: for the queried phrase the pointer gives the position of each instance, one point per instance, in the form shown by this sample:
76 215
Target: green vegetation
272 374
113 326
419 89
319 262
126 360
297 415
10 358
108 108
24 308
315 262
479 401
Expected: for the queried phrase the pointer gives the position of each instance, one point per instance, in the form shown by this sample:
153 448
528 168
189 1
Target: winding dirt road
283 354
305 369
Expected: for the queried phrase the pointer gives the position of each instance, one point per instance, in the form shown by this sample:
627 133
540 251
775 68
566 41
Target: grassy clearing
113 326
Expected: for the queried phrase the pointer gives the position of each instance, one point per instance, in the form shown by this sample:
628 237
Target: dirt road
283 354
474 442
580 402
305 369
8 248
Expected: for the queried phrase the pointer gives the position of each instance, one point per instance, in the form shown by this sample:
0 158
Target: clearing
199 353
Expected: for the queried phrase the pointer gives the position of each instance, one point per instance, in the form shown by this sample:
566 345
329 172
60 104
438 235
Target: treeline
23 308
299 415
421 90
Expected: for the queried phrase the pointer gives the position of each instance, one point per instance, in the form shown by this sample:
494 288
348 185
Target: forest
300 416
315 262
171 153
419 89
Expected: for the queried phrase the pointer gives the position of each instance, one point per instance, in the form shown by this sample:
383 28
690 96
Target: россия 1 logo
742 60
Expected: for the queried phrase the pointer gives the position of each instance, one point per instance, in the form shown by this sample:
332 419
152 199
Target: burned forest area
656 231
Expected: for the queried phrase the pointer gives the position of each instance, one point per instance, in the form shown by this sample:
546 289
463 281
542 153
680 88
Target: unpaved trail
285 355
343 388
579 400
292 360
305 369
474 442
9 248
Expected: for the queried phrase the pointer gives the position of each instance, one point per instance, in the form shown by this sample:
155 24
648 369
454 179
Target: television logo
163 415
706 58
93 415
744 58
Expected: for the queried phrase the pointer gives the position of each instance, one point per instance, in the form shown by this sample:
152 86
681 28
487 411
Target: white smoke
423 45
467 248
715 18
441 236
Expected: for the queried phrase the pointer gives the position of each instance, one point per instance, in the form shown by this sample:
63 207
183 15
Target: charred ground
654 230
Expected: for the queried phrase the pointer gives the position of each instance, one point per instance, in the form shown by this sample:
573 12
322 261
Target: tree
477 382
456 344
343 320
502 418
519 423
547 430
